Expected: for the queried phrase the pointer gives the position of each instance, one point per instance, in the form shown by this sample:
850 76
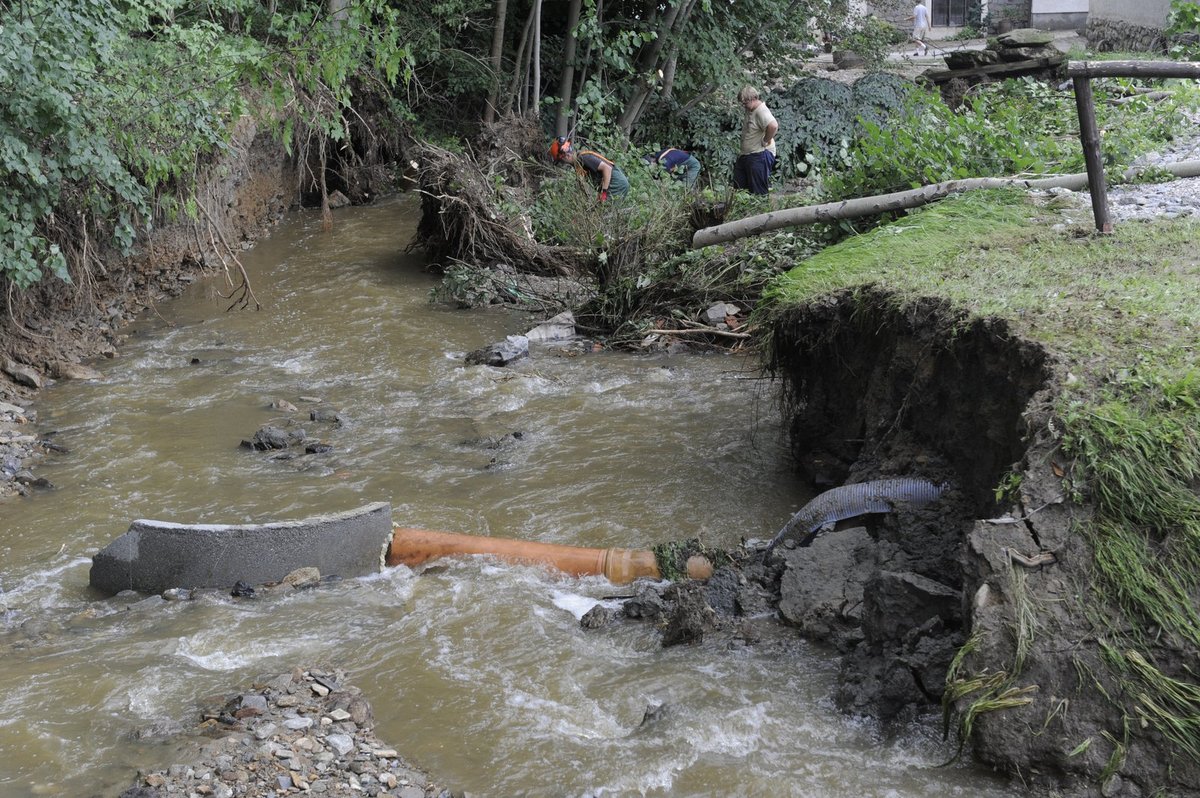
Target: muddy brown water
478 672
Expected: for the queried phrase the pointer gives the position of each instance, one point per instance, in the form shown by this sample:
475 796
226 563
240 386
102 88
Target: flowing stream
477 672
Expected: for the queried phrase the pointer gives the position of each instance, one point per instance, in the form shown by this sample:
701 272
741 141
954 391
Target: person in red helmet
605 174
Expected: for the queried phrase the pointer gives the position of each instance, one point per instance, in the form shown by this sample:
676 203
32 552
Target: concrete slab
156 555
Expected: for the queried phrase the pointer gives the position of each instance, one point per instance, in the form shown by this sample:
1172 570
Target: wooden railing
1082 72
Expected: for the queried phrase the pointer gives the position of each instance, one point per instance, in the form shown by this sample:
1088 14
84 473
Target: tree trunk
515 85
587 58
535 90
339 12
899 200
567 77
668 81
496 60
673 23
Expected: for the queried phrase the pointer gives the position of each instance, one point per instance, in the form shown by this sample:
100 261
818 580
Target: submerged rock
512 348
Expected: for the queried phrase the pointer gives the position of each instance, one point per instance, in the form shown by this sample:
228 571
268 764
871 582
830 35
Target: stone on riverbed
559 328
514 347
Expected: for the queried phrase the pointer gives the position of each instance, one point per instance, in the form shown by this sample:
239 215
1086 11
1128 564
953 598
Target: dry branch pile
461 195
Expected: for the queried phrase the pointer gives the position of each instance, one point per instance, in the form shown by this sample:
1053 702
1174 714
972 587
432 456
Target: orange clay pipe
415 546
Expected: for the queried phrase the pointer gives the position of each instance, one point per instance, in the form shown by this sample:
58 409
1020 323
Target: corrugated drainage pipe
413 547
848 501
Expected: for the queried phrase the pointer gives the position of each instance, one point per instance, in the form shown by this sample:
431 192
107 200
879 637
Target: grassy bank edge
1118 313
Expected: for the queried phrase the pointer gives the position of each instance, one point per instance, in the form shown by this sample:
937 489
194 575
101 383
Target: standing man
920 18
603 173
752 170
679 164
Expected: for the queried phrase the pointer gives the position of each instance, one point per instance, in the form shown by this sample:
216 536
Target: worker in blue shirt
680 164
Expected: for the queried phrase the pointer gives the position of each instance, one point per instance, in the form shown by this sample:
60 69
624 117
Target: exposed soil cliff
983 600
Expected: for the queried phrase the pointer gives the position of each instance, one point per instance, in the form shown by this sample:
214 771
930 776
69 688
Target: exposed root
241 293
462 218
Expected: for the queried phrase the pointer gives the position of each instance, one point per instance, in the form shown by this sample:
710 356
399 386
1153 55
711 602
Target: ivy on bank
108 109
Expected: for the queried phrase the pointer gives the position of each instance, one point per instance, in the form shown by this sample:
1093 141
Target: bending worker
679 164
603 173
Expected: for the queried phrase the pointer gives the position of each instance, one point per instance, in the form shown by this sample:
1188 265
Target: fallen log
898 201
1132 69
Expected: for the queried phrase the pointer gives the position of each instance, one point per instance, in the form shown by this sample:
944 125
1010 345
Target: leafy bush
53 150
872 38
1017 127
639 228
1183 30
818 120
106 106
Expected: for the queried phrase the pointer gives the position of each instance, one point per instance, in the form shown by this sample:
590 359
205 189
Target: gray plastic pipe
848 501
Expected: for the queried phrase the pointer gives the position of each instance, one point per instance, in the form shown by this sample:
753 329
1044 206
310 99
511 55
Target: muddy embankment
992 591
49 330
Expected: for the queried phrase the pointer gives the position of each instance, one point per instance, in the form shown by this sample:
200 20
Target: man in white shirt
752 170
920 18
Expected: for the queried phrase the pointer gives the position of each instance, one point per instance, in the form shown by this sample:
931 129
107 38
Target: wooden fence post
1081 73
1089 134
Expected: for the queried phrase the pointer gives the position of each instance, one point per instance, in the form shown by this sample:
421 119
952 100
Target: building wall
1143 13
1058 14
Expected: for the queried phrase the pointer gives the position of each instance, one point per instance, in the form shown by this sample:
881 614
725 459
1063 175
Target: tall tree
496 60
566 77
670 27
535 91
515 85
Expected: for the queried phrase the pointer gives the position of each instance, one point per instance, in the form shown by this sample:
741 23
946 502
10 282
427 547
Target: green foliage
818 121
966 33
1140 450
463 286
646 272
1183 30
644 226
872 38
107 106
53 151
1016 127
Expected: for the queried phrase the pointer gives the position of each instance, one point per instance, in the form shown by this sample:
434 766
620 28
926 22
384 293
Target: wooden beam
1132 69
1002 68
898 201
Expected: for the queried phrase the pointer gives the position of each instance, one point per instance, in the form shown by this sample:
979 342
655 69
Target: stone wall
1114 34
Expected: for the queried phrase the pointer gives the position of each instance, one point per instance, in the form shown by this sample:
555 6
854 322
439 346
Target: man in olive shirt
752 170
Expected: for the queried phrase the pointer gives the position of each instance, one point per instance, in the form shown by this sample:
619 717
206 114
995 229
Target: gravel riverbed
307 732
